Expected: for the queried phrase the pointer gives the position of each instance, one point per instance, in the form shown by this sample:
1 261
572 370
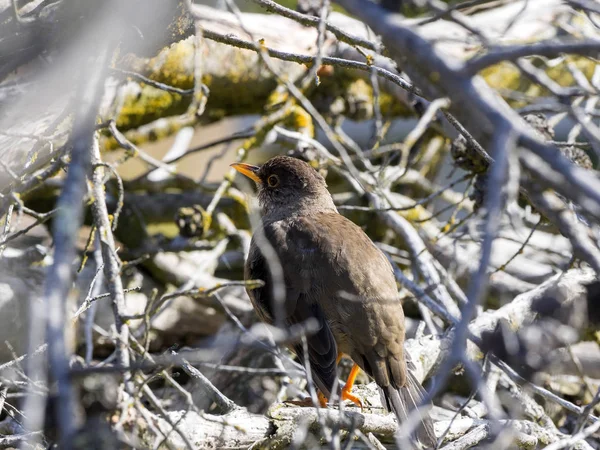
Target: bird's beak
249 170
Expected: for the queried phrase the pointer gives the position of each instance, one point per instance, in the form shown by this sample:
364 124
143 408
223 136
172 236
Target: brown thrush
330 271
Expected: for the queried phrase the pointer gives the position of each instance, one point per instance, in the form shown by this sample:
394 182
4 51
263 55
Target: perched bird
332 272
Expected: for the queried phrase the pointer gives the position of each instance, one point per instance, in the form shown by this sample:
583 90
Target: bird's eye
273 180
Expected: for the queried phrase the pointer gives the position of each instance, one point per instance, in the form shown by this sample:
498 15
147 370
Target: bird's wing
298 308
342 270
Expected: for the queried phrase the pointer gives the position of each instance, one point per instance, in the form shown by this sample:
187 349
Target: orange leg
322 399
346 394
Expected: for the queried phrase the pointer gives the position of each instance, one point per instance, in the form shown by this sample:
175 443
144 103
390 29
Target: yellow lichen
149 105
277 97
416 214
298 119
167 229
174 66
503 76
562 75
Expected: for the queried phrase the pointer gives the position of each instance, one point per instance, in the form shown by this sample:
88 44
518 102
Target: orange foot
346 391
346 395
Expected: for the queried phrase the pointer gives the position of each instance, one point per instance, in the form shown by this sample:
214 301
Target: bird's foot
346 390
347 395
308 403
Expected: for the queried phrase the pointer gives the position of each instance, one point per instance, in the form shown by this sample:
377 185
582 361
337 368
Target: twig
136 151
7 219
112 265
194 293
233 137
95 285
58 279
89 301
421 202
343 36
521 248
583 434
174 426
477 287
471 439
11 441
153 83
306 59
552 48
223 404
41 219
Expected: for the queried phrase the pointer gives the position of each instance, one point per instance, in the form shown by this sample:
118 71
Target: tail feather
403 402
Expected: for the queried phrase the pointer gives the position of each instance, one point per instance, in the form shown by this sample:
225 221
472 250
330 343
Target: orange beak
247 169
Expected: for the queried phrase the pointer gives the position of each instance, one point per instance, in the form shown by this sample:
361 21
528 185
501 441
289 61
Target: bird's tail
403 402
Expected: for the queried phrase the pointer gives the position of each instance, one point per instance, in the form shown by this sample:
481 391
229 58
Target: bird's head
288 185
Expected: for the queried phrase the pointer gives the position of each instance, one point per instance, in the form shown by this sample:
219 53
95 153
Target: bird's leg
322 399
346 394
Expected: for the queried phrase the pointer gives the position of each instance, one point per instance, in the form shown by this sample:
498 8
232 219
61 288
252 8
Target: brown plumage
332 272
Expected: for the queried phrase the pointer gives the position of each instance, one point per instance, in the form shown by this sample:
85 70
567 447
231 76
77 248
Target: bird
331 272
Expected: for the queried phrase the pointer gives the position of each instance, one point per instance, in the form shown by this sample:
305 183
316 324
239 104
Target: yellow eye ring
273 180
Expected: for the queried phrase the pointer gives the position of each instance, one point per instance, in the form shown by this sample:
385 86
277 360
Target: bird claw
347 395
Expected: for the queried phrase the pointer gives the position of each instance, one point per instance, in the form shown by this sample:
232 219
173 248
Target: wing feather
299 304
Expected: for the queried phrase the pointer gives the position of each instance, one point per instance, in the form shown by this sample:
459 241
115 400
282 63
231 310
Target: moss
150 104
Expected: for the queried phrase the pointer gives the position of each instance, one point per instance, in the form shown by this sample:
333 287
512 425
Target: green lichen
149 105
